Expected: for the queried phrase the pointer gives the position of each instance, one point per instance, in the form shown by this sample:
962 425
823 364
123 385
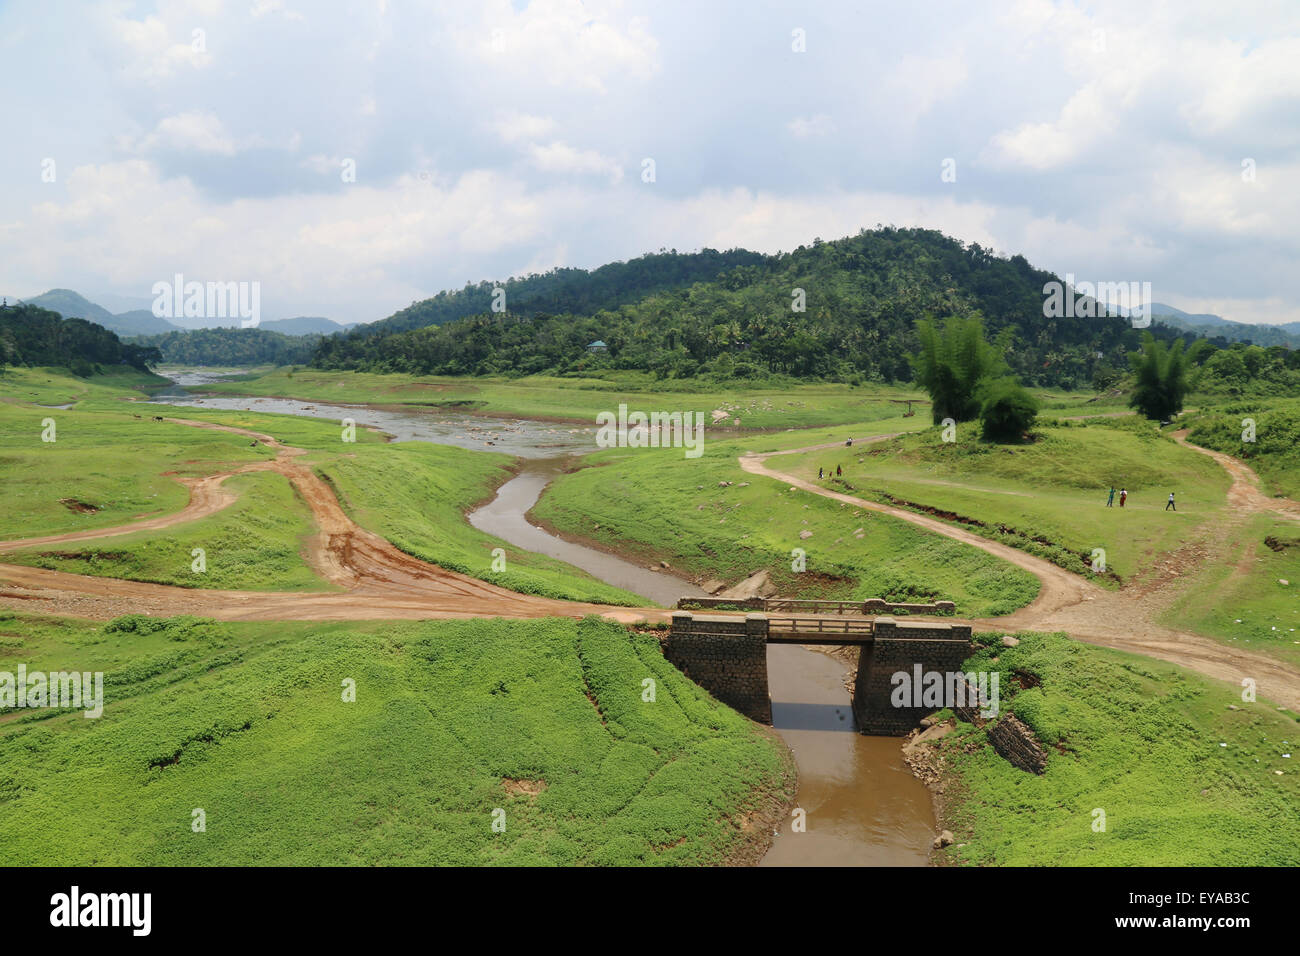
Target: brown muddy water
861 805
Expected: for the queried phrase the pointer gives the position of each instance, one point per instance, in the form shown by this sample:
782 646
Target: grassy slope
247 722
1139 739
1054 488
1249 604
104 457
1275 452
255 544
657 505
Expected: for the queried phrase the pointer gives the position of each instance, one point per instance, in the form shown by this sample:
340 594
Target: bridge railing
820 625
869 606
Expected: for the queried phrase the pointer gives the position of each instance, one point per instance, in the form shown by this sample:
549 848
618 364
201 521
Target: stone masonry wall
725 656
900 647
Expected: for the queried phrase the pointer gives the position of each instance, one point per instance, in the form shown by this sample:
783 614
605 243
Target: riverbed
860 804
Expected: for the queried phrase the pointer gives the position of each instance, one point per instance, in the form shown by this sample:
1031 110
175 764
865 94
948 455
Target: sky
352 158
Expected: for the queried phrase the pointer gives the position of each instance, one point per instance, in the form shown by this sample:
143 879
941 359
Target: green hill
861 298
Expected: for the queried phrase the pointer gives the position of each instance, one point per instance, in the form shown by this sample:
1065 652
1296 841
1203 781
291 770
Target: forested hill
863 294
30 335
576 291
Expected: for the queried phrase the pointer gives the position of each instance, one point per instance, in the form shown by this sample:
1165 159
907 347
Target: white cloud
195 131
558 157
512 126
809 127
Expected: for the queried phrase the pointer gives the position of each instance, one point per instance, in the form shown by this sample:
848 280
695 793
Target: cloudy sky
1124 141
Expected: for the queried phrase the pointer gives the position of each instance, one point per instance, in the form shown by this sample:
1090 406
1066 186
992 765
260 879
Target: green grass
416 494
254 544
247 722
1138 739
58 386
1249 605
1274 453
106 459
1047 497
655 505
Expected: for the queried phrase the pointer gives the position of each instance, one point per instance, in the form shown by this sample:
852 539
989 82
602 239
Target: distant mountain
73 305
138 322
305 325
1211 326
142 321
1203 318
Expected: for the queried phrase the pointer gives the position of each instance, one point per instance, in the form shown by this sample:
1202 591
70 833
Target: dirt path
380 581
1066 602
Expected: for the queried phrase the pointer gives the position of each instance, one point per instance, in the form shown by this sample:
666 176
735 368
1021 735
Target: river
862 805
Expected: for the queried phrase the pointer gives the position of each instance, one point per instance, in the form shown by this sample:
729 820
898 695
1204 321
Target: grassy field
656 505
104 467
1047 497
1183 779
1249 604
543 720
255 544
1274 452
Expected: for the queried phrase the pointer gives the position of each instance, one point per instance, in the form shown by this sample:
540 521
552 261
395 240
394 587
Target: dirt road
1122 619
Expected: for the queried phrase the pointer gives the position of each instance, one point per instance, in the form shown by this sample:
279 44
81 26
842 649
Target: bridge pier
727 656
902 647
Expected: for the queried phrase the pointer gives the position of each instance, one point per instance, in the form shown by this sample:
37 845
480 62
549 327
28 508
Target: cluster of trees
30 336
844 310
229 346
968 378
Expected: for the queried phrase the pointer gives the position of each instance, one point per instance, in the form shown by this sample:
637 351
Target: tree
952 363
1007 410
1162 377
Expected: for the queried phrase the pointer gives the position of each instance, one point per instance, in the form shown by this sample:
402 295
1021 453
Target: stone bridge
727 656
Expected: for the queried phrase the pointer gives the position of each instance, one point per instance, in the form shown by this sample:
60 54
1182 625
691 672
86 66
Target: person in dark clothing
1110 502
1170 503
838 472
819 473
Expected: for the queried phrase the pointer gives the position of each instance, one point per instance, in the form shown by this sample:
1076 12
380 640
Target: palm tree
1162 377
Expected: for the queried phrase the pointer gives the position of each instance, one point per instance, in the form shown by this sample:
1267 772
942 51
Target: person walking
1123 496
1110 502
1171 504
838 473
819 474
